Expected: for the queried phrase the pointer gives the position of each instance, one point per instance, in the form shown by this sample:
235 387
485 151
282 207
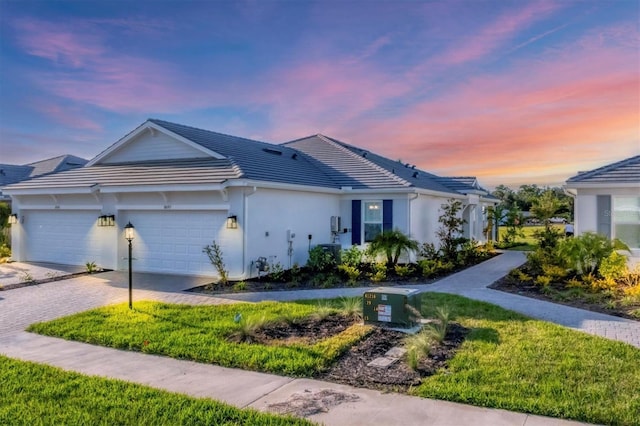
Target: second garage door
172 241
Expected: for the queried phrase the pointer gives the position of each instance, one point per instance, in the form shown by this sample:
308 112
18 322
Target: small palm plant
392 244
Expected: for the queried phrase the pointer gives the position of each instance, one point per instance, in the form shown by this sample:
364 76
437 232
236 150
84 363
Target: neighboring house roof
313 161
11 173
625 171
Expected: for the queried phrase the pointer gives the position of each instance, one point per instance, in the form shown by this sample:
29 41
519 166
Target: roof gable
151 142
625 171
257 160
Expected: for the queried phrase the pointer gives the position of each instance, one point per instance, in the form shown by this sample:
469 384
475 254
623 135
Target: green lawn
528 242
34 394
200 333
508 361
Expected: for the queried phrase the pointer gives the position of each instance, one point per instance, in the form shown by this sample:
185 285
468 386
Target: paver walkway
21 307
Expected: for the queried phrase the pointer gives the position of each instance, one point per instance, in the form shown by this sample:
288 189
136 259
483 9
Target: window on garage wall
626 220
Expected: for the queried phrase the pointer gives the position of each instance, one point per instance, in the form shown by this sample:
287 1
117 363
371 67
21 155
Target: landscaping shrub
379 272
428 267
403 270
351 273
214 252
614 266
428 251
5 251
277 272
321 260
585 253
352 257
450 231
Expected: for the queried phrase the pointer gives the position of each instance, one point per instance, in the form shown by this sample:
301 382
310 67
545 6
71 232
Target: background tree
544 208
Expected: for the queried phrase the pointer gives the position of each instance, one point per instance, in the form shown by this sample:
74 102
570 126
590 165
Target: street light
128 234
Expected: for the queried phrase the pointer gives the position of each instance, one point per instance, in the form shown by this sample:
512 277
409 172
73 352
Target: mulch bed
351 368
509 285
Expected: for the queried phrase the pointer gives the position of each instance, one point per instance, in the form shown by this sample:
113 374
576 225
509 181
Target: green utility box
386 306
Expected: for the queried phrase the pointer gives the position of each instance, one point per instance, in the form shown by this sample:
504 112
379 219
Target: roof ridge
369 163
156 120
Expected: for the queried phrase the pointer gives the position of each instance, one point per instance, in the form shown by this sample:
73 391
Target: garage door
172 241
62 236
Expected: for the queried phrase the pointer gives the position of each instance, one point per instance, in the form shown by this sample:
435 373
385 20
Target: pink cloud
323 95
494 35
90 72
71 117
535 121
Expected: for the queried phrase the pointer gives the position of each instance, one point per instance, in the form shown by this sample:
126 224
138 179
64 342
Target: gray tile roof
344 167
179 172
315 161
255 160
369 170
11 173
625 171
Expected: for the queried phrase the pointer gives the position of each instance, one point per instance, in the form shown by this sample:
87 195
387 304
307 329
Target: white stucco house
183 187
607 201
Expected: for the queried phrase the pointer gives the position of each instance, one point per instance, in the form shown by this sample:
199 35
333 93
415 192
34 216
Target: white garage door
62 236
172 241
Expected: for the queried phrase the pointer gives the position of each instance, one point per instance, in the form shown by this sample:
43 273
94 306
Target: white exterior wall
585 212
156 146
425 211
270 213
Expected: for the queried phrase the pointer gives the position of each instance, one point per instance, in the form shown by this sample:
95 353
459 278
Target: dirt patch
353 368
308 330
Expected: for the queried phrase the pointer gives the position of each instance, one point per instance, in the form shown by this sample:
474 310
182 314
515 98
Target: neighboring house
11 173
607 201
183 187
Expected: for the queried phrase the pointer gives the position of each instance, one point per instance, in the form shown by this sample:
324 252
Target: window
372 220
626 220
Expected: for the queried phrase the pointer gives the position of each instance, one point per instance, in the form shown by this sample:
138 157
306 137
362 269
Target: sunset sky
512 92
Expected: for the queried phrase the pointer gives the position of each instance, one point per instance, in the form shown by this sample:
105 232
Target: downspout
245 228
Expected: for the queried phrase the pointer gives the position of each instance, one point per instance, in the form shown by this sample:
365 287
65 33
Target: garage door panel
172 241
62 236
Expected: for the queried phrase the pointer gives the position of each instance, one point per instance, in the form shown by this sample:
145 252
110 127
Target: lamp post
128 234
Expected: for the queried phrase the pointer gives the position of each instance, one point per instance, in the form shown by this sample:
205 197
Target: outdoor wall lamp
128 235
106 220
13 219
232 222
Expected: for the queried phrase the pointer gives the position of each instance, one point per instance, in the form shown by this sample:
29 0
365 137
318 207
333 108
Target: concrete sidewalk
258 390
